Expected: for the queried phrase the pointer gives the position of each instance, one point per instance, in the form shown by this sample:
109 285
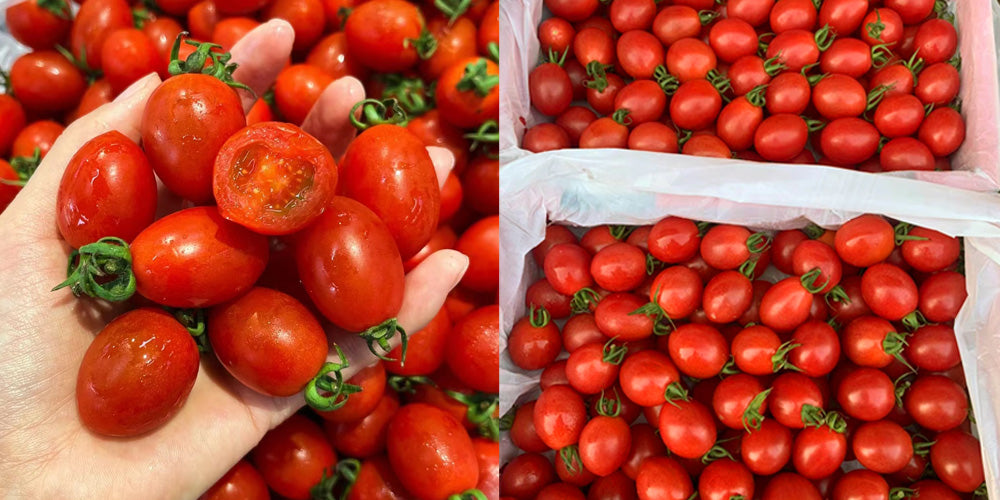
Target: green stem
380 335
330 380
102 269
477 79
375 112
341 480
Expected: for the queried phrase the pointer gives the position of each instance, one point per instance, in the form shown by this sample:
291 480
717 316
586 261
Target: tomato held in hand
242 482
388 170
196 258
268 341
136 374
337 257
186 121
382 34
273 178
107 189
431 452
294 457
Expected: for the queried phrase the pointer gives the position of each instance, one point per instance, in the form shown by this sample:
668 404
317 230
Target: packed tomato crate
908 87
674 329
250 249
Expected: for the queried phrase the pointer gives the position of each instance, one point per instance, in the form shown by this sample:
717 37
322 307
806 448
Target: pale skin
44 450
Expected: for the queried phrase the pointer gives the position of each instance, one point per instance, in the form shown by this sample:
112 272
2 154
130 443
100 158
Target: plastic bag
591 187
976 164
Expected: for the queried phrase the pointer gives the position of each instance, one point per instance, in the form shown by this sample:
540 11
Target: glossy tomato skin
550 89
431 452
293 457
331 55
933 348
12 121
889 291
136 374
663 478
40 134
337 256
725 478
186 121
818 451
242 482
790 485
388 170
687 428
866 394
196 258
767 449
37 26
426 349
956 458
305 16
268 341
377 34
865 240
273 178
45 82
604 444
297 89
107 189
481 243
882 446
377 481
94 22
473 349
786 305
936 402
128 55
468 108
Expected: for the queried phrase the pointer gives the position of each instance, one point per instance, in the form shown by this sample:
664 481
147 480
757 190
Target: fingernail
461 264
133 89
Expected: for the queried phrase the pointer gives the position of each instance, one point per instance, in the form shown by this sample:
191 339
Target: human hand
44 450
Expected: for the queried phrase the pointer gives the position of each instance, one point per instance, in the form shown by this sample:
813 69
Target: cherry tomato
472 349
790 485
677 290
39 24
789 393
136 374
559 416
639 53
94 22
604 444
593 45
108 189
45 82
619 267
936 402
572 10
935 41
737 123
645 375
943 131
883 446
938 84
128 55
294 457
882 26
336 272
781 137
468 92
221 260
897 78
906 153
766 450
860 484
786 305
749 72
555 34
695 105
690 59
865 240
273 178
643 99
364 436
839 96
933 348
305 16
522 431
957 461
379 34
332 56
732 38
550 89
699 351
526 475
186 121
377 480
687 428
818 348
542 294
545 137
732 398
297 89
663 478
603 101
38 135
942 295
843 16
653 136
575 120
627 15
241 482
794 48
889 291
388 169
674 240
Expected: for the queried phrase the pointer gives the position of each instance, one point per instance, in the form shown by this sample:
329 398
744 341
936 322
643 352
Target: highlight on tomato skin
273 178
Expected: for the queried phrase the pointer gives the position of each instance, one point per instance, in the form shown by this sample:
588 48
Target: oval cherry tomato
687 428
534 341
305 16
379 34
695 105
45 82
942 295
555 33
936 402
619 267
882 26
526 475
677 290
559 416
297 89
732 38
935 41
883 446
938 84
136 374
273 178
107 189
818 348
40 135
550 89
643 99
789 393
127 55
843 16
365 436
732 398
766 450
818 451
431 452
186 121
292 341
781 137
786 305
331 55
860 484
699 351
645 375
473 349
865 240
639 53
889 291
468 92
294 457
839 96
221 260
336 257
663 478
956 458
39 25
866 394
906 153
737 123
943 131
604 444
94 22
653 136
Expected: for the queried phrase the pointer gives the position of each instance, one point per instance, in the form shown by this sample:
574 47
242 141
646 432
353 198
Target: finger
35 206
261 55
443 160
329 119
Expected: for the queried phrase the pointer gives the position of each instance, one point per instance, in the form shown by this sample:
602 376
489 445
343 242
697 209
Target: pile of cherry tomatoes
688 375
279 228
867 85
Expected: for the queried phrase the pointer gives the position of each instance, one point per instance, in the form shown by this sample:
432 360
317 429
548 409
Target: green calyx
810 280
779 361
380 335
102 269
194 321
538 317
814 416
477 79
753 416
337 484
58 8
620 231
485 138
219 68
584 300
452 9
609 407
426 45
481 410
375 112
24 167
472 494
668 83
403 384
613 353
411 93
598 76
327 391
675 392
570 457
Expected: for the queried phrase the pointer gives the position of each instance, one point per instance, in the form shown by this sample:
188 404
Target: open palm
44 450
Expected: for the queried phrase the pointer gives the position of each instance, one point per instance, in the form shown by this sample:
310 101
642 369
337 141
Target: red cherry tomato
293 457
242 482
378 34
297 89
604 444
364 436
468 92
45 82
957 459
766 450
136 374
473 349
559 416
107 189
39 25
94 22
883 446
221 259
336 272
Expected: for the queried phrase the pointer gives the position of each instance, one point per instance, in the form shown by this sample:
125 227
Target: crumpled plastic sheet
976 165
591 187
